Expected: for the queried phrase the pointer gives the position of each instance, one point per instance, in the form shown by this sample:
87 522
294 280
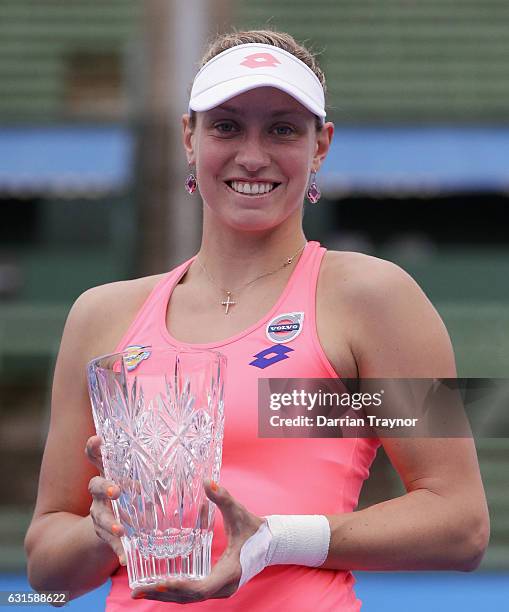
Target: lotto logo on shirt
270 356
285 327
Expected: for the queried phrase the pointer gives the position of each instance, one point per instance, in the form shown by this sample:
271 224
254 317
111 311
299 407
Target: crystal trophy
159 412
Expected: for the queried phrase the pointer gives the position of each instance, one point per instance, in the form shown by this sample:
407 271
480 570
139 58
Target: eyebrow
276 113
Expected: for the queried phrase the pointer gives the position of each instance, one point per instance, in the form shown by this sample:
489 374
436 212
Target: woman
255 137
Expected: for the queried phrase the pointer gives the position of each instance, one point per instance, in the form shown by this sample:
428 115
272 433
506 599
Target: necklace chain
227 303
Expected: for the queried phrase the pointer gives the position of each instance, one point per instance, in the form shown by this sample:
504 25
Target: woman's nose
252 154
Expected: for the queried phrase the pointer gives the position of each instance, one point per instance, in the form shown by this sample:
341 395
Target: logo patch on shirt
136 355
270 356
285 327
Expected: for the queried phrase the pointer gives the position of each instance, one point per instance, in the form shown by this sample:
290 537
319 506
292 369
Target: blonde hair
282 40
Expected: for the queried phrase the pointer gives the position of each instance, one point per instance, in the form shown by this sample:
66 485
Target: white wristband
285 539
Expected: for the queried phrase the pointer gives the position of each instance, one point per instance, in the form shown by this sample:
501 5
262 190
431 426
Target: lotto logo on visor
245 67
260 60
285 327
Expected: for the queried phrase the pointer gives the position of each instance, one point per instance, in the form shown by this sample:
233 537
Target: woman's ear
323 142
187 138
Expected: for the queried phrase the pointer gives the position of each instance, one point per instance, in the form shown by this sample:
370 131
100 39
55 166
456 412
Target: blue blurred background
91 191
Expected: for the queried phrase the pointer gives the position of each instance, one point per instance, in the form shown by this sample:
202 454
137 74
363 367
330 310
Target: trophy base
144 567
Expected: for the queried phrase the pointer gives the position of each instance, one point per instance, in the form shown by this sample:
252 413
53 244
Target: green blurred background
91 180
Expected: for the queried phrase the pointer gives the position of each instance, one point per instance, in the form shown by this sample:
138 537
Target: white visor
246 67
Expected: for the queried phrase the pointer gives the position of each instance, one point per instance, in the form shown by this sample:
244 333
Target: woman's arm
65 554
442 522
62 548
438 524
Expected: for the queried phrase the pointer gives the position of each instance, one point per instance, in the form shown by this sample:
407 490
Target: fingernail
121 560
110 491
116 528
214 486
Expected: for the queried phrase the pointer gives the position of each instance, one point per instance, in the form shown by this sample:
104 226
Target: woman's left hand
223 581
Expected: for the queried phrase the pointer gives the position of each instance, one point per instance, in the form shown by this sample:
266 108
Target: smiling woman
276 305
253 159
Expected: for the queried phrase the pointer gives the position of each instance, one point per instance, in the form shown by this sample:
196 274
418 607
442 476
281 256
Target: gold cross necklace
229 301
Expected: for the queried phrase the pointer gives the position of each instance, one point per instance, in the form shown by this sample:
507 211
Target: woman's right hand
103 491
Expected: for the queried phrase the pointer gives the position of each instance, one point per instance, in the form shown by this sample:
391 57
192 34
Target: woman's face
253 157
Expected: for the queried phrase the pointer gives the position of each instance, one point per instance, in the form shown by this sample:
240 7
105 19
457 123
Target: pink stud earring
313 193
191 183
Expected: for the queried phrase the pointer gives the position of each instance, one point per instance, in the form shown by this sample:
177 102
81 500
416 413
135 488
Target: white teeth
251 188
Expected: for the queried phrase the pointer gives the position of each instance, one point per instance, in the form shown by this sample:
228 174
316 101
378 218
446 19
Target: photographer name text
310 401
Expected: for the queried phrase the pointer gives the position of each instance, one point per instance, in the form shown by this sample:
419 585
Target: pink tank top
268 475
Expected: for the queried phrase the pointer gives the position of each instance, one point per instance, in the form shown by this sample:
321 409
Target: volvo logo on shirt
285 327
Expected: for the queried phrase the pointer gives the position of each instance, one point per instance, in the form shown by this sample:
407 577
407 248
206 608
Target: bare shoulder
360 272
393 327
366 282
350 280
96 322
108 310
115 293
